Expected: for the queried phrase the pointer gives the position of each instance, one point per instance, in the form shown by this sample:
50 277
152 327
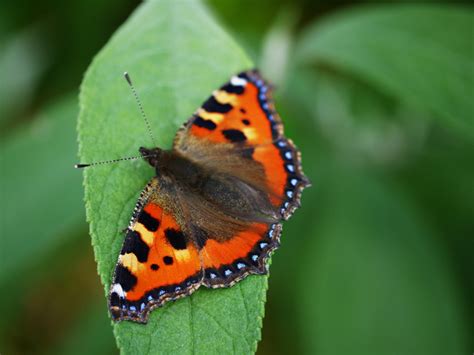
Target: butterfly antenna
129 81
80 166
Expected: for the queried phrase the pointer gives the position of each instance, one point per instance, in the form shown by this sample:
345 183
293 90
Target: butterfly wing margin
225 263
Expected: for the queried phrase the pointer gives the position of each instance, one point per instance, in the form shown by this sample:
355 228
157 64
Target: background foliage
379 100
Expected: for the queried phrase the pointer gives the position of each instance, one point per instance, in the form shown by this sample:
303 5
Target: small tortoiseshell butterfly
212 214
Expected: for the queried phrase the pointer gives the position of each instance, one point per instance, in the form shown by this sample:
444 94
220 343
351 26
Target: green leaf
421 54
40 187
381 284
176 55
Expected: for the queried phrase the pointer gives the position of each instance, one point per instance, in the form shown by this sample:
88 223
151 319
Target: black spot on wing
114 299
150 222
125 278
176 238
233 89
134 244
201 122
234 135
212 105
168 260
154 267
245 121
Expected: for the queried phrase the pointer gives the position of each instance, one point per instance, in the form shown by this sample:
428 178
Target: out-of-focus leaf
442 180
91 334
41 191
376 281
361 123
46 296
176 55
278 46
23 57
258 16
421 54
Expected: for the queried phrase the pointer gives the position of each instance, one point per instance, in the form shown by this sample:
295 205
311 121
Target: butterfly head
153 156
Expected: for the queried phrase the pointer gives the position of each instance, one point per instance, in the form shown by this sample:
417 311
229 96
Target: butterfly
212 214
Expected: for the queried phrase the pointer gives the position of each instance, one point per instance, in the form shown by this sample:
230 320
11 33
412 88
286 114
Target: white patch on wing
117 288
236 81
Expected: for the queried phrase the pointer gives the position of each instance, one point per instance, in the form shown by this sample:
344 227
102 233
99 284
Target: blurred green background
378 97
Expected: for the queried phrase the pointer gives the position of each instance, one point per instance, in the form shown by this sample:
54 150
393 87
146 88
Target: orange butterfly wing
157 264
242 113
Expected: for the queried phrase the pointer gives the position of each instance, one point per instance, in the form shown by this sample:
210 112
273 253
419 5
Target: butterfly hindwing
157 263
227 262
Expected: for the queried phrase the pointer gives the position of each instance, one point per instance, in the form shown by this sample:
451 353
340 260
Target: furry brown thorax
171 163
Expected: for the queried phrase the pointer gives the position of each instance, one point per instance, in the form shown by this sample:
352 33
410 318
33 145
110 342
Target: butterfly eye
154 152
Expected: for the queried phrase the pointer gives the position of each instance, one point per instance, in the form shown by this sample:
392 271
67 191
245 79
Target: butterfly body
212 214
